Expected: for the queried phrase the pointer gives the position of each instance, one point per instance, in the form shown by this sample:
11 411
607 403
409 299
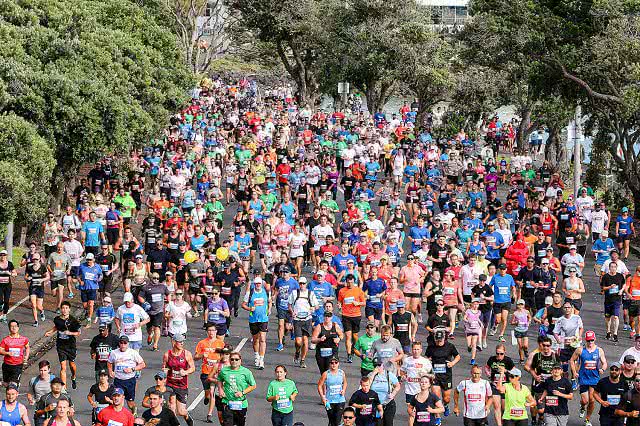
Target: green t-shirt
528 174
216 208
515 402
341 146
269 201
243 155
284 389
363 345
235 381
128 204
363 206
331 205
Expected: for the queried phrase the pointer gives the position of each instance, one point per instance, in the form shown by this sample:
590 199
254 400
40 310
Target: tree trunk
523 128
555 150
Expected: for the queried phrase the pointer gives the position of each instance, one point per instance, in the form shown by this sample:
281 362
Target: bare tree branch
592 93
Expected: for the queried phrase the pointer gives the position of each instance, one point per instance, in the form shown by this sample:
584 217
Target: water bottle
327 405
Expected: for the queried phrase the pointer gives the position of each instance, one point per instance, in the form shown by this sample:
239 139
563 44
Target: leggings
389 414
323 361
335 414
5 295
234 417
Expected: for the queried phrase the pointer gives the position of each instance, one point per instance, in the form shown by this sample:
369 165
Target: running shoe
74 383
472 362
35 323
70 296
587 422
501 339
582 412
209 418
303 364
446 411
574 386
349 359
615 338
42 316
280 347
608 335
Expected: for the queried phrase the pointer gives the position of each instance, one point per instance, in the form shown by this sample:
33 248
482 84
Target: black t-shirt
62 325
611 296
98 395
102 346
487 291
421 409
437 321
159 259
495 363
371 402
166 395
227 280
612 393
630 401
401 324
348 182
557 405
166 417
440 355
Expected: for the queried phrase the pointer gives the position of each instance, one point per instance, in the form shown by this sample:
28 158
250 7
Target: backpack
252 290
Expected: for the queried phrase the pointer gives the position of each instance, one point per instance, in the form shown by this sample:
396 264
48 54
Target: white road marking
200 396
11 309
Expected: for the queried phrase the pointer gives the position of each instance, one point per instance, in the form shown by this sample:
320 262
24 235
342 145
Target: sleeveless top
51 234
53 423
175 363
589 367
11 417
327 348
334 387
472 322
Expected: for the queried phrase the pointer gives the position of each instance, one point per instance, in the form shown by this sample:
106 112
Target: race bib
335 390
439 368
225 291
542 253
570 240
283 404
474 397
503 290
516 412
326 352
551 401
349 300
402 327
374 299
14 352
90 276
156 297
423 417
258 302
235 405
613 399
614 290
62 335
105 268
157 265
177 323
114 423
151 240
590 365
635 293
366 410
4 280
448 290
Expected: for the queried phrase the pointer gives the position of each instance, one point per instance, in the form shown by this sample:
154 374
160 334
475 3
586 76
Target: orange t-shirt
211 355
347 296
634 288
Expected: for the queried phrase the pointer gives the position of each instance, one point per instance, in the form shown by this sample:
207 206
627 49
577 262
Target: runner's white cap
128 297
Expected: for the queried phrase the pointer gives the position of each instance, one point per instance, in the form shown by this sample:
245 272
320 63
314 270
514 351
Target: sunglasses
629 362
234 359
333 362
348 417
499 353
546 345
614 369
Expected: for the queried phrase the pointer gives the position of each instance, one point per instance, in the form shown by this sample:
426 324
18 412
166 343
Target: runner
425 406
116 412
67 329
209 350
497 367
386 385
36 275
503 287
123 364
281 393
555 397
59 267
178 363
351 298
234 383
100 394
608 393
158 411
443 356
362 347
154 294
129 321
367 404
326 336
15 350
517 398
477 398
332 388
302 303
258 302
587 364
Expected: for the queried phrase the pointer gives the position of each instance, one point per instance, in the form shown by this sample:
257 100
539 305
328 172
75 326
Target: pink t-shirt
413 276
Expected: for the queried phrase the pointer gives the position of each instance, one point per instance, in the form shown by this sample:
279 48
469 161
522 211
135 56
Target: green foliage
94 77
26 165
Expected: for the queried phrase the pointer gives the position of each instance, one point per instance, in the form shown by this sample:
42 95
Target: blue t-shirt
339 262
90 276
374 289
321 290
607 246
624 225
418 234
490 238
92 231
502 287
244 245
260 301
284 289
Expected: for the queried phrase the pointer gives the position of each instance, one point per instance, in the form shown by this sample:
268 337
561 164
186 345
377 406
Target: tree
26 165
93 77
201 26
296 31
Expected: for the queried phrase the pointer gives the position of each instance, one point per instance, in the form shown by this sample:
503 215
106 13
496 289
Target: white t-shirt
598 220
475 397
320 233
178 321
74 249
296 244
121 360
302 306
414 368
129 318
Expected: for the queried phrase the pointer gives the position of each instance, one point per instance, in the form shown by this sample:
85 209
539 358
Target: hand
128 370
635 413
605 403
456 411
323 338
52 407
449 364
556 392
239 394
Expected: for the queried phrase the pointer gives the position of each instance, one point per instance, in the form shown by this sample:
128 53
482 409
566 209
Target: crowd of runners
353 239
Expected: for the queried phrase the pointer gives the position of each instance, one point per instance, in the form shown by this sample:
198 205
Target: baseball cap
625 209
482 277
439 335
139 256
102 327
401 303
590 335
107 299
4 252
103 373
615 364
548 300
502 266
161 375
302 280
89 256
520 302
257 280
320 273
124 339
179 338
117 391
573 247
515 372
128 297
556 366
629 359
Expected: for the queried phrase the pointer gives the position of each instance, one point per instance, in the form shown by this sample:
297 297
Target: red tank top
175 363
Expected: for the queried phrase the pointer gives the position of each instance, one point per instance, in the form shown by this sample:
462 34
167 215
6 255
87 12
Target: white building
448 14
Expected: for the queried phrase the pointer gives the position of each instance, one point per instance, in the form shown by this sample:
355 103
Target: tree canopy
92 77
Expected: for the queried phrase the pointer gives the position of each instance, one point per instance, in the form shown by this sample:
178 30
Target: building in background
448 15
